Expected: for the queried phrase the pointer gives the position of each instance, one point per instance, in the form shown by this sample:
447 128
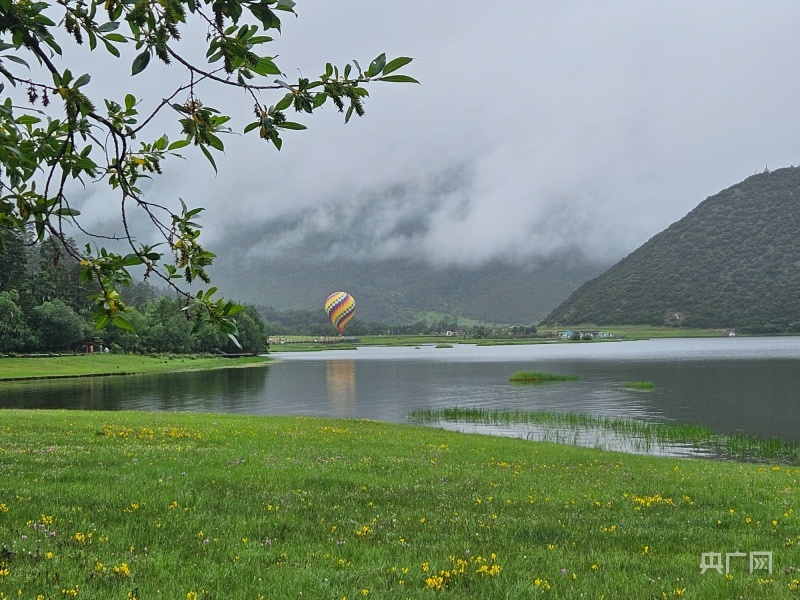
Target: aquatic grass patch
641 436
149 505
443 346
539 377
639 385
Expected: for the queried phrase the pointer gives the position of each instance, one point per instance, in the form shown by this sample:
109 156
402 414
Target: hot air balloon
340 307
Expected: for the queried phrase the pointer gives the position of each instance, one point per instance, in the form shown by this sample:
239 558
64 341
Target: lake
740 384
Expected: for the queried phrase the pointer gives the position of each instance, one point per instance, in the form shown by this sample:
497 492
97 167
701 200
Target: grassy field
183 506
628 332
638 332
305 343
113 364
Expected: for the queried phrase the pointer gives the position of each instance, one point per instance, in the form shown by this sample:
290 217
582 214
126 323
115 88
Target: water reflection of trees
224 390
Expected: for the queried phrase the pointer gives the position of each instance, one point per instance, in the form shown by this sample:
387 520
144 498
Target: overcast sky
537 126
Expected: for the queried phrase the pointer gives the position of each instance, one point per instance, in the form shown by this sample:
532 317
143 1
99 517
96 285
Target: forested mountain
401 291
732 262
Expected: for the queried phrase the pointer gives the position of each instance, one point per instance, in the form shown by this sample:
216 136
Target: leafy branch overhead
53 132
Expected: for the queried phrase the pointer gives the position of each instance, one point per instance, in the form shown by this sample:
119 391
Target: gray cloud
538 126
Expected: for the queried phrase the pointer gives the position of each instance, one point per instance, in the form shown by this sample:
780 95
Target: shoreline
147 365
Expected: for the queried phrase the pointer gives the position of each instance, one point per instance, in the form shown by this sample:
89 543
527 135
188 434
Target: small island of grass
639 385
539 377
444 345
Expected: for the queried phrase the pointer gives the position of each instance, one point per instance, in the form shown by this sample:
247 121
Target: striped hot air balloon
340 307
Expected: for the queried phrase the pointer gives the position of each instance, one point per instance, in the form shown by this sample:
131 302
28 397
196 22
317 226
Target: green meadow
198 506
115 364
639 332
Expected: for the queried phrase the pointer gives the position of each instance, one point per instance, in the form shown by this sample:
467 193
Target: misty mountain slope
734 261
398 291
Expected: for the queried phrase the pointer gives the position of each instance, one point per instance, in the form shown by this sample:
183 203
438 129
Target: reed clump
739 447
639 385
539 377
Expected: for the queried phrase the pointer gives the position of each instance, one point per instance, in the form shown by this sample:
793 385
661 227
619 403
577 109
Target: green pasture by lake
172 505
546 335
114 364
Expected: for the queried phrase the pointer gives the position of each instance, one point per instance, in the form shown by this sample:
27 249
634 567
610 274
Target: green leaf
231 309
395 64
285 102
83 80
50 41
290 125
235 341
320 99
85 163
111 48
122 323
67 212
268 18
102 321
398 79
250 126
228 327
15 59
215 142
131 260
209 157
117 37
130 101
376 66
265 66
140 63
108 27
178 144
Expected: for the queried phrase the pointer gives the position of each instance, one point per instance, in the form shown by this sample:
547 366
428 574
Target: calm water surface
728 384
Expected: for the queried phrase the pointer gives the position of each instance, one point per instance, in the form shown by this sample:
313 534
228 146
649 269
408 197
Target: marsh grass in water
639 385
539 377
444 345
186 506
641 436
